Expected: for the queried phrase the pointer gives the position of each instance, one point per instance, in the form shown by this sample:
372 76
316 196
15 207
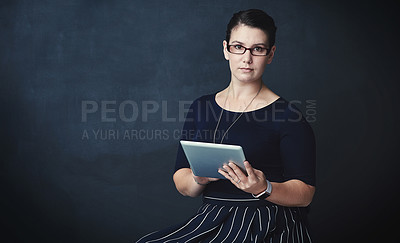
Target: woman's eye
238 47
258 49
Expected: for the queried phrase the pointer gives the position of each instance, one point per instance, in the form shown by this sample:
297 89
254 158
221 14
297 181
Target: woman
269 203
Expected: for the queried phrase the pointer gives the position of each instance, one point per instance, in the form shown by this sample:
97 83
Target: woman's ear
271 54
225 45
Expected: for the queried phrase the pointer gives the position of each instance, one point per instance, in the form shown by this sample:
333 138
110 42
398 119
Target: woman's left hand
255 181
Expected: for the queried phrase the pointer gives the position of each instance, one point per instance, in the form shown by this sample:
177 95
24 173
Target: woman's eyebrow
258 44
241 43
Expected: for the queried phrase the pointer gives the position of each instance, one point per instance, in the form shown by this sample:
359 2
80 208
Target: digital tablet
206 158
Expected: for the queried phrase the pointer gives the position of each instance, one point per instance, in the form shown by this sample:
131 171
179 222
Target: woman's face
246 67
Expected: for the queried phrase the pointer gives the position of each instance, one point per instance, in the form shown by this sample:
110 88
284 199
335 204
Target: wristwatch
265 193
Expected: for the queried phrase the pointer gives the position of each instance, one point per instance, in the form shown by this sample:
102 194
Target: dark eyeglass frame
245 49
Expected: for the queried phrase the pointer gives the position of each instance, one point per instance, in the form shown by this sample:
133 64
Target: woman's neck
242 91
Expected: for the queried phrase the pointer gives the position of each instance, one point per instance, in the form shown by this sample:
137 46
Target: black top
276 139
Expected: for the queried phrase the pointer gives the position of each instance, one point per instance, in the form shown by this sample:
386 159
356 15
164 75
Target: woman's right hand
203 180
185 182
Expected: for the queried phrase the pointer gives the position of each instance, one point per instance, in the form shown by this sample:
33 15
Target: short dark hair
254 18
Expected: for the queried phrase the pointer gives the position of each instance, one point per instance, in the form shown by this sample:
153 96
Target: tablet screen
206 158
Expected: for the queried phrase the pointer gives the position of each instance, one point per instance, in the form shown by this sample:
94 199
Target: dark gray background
55 55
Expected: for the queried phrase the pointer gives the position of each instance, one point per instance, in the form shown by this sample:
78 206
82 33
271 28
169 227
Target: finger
239 176
232 172
239 173
225 174
201 180
230 178
249 169
229 170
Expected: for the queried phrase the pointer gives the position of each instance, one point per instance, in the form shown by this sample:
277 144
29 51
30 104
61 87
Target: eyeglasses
255 51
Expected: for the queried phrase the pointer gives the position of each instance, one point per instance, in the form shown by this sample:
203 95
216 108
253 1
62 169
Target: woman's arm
291 193
188 184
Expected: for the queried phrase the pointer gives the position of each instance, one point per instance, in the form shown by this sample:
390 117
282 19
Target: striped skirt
238 220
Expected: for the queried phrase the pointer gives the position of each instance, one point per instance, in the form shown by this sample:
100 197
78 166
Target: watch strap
265 193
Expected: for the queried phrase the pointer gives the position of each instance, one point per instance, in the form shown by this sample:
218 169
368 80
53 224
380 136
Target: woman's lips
246 70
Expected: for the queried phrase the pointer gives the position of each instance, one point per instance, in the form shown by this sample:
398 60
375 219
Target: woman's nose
247 57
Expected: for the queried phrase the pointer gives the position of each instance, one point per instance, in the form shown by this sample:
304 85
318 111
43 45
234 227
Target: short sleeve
298 148
187 132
